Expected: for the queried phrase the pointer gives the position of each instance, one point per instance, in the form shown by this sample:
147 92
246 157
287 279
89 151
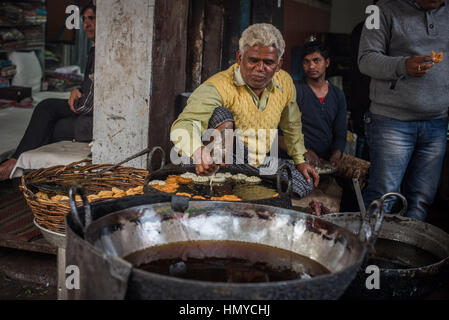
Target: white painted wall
123 58
346 14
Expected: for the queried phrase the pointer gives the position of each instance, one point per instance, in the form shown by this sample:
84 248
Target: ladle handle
74 190
179 203
149 158
141 153
400 196
279 182
366 234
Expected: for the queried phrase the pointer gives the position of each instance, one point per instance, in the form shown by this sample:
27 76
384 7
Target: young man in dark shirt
323 108
55 120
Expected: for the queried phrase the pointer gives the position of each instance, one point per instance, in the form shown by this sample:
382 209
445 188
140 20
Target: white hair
262 34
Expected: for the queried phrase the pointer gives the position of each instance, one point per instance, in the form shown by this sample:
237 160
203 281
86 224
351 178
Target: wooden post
169 70
213 37
195 44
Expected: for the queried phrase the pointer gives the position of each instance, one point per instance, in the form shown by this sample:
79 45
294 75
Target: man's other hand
312 158
74 95
204 164
307 170
335 159
418 66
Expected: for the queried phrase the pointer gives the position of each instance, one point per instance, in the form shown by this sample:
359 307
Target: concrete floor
27 276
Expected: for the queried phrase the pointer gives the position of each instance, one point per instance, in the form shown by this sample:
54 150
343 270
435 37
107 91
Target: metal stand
57 240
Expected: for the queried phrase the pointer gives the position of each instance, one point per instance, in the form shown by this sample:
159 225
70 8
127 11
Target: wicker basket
50 214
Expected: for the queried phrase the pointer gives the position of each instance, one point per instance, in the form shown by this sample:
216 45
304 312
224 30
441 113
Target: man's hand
335 159
74 95
313 158
307 169
418 66
204 164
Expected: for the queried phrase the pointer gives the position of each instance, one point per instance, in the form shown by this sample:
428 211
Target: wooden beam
169 69
195 43
231 30
213 37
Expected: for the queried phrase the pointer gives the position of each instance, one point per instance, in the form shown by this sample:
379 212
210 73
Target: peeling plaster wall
123 72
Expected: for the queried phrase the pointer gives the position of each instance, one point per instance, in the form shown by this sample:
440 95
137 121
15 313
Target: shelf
22 25
22 49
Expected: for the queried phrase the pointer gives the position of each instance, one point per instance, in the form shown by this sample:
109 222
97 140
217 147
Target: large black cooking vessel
101 235
396 281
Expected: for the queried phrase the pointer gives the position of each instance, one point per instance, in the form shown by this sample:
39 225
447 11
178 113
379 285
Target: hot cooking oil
226 261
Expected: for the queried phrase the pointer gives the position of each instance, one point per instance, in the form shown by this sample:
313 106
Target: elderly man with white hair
253 95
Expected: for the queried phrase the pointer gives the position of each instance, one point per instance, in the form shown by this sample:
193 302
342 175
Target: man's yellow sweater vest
254 124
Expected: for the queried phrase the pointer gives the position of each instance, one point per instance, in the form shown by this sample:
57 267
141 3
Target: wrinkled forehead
262 52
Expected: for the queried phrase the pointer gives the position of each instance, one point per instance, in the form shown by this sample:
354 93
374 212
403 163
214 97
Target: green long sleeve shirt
205 99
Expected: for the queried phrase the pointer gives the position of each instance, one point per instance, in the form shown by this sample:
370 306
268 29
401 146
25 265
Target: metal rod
358 193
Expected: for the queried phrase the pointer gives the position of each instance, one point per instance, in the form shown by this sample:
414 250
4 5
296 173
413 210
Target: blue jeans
406 157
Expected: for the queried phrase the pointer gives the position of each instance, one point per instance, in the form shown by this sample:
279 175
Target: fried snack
276 195
156 182
172 185
138 189
438 56
201 179
240 177
117 190
57 198
133 192
253 180
171 179
42 195
105 194
60 197
119 195
199 197
188 175
227 197
168 188
182 180
183 194
92 197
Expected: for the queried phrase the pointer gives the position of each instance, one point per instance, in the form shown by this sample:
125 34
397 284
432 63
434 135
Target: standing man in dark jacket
56 120
408 120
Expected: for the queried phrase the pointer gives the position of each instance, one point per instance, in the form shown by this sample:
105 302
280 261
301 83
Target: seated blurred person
323 108
55 120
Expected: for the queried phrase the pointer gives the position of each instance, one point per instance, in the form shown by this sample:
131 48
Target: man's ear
238 58
328 62
279 66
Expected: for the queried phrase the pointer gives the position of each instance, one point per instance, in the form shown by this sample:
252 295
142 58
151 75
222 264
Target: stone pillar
123 71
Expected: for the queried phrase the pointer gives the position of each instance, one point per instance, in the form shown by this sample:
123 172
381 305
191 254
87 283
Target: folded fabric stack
7 71
10 14
34 13
19 22
11 38
34 37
